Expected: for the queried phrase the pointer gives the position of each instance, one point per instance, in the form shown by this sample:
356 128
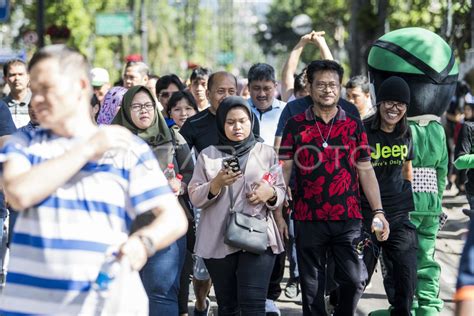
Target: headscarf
158 132
111 102
239 148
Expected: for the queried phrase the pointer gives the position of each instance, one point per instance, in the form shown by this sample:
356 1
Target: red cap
179 176
170 166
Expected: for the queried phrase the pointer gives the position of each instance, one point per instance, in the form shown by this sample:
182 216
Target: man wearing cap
100 82
17 78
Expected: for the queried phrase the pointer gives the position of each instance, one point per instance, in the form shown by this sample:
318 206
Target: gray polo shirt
19 109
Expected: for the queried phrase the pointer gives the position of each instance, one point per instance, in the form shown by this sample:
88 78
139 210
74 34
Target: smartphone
232 163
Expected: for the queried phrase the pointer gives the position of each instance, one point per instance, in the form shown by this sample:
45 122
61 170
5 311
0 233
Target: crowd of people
84 175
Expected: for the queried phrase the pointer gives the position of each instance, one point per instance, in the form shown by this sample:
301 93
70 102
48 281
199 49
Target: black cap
394 89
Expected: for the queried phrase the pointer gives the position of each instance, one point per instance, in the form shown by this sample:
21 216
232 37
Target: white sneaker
271 309
329 307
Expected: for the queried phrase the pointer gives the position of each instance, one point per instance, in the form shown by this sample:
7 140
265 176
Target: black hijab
239 148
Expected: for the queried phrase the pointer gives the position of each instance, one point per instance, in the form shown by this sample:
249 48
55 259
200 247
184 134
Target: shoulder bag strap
231 198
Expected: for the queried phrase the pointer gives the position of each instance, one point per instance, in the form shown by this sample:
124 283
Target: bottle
169 172
182 185
271 175
107 273
378 227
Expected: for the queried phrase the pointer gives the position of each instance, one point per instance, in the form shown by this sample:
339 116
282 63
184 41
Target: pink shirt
214 214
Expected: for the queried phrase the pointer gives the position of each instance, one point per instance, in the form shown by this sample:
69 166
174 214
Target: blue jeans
160 277
466 265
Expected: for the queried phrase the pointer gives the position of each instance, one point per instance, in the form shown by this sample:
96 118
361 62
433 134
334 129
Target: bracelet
148 244
378 211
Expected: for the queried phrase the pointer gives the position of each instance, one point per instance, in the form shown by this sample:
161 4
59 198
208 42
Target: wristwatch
148 244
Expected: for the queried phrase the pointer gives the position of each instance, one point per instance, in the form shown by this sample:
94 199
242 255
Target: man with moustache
262 87
17 78
200 131
328 148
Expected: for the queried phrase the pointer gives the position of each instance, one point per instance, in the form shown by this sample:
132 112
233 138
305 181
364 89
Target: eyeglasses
166 94
137 107
322 86
391 104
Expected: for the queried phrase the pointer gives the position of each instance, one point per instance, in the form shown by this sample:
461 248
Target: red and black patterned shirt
327 182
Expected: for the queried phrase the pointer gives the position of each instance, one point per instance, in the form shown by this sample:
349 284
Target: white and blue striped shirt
59 244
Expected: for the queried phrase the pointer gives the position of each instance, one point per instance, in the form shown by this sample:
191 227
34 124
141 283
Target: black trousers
184 281
274 288
314 240
399 257
241 282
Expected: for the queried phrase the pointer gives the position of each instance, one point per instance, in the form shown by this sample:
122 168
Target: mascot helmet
424 60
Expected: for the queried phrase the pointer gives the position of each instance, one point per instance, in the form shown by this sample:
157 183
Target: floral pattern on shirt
327 182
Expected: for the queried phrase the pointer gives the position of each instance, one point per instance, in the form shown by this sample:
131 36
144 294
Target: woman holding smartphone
240 278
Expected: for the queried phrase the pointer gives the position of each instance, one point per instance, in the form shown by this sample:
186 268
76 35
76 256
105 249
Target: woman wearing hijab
110 105
240 278
161 274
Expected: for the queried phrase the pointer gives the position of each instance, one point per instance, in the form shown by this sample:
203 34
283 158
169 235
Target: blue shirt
60 243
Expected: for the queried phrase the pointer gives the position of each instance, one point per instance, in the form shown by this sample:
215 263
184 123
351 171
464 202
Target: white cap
469 98
99 77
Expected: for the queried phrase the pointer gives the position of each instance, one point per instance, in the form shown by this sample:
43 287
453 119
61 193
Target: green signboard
113 23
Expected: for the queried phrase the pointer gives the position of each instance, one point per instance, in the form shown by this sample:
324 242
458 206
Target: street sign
4 10
8 54
225 58
113 23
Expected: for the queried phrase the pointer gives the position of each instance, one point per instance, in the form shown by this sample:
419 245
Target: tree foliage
352 26
181 33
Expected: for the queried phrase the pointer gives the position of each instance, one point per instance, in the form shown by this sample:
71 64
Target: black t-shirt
200 131
465 146
388 154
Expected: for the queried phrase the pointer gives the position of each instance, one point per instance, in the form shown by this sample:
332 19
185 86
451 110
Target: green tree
352 26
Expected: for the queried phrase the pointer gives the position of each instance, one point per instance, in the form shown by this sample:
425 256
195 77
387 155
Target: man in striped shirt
78 188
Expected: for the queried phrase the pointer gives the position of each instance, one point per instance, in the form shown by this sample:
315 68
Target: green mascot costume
427 64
